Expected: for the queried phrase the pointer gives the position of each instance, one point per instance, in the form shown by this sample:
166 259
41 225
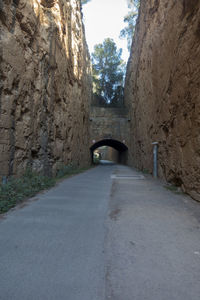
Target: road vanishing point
108 233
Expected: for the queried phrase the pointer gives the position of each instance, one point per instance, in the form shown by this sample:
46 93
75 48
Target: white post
4 180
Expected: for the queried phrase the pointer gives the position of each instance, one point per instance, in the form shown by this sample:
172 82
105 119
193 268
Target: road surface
108 233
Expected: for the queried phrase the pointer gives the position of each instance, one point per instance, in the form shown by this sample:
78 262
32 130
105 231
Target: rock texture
45 86
163 91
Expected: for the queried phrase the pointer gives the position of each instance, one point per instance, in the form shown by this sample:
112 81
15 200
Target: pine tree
108 70
130 19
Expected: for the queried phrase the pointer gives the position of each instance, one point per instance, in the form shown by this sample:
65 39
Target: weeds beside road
16 190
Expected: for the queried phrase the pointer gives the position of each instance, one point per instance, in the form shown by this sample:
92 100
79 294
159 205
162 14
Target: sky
103 19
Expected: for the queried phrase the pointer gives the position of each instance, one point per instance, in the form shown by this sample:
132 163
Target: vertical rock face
45 85
163 90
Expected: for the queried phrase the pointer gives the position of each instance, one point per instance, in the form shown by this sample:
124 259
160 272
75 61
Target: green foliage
18 189
96 158
65 171
84 1
174 189
130 19
145 171
108 70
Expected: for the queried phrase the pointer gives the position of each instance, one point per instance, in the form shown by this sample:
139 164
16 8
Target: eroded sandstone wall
45 86
163 91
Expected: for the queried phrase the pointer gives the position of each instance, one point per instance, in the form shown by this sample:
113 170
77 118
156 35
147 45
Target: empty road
108 233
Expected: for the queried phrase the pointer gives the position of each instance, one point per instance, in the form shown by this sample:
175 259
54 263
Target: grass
145 171
16 190
68 171
174 189
96 160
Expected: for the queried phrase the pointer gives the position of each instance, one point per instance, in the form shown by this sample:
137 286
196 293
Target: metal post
4 180
155 159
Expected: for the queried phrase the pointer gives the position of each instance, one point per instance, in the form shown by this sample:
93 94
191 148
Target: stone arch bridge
110 126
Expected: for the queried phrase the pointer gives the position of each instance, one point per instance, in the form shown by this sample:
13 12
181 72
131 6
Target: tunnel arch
117 145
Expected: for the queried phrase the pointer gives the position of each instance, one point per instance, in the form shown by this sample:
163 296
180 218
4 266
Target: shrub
18 189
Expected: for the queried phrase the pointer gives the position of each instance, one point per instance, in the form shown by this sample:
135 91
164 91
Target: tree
84 1
130 19
108 70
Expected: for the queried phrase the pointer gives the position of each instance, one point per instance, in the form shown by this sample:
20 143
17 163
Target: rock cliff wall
163 91
45 86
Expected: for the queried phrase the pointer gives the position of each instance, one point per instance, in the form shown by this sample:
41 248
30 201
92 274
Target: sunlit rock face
45 86
163 91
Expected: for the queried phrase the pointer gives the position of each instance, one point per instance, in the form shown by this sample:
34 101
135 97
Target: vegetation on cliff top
84 1
130 20
108 71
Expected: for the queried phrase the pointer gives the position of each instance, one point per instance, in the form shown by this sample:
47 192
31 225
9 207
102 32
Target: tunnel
121 149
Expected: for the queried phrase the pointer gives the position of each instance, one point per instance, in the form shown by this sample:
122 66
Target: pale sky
103 19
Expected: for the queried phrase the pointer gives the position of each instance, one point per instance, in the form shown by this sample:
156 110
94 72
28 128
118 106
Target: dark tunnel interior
121 148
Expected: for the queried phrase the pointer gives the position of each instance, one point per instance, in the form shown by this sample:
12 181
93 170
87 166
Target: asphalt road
104 234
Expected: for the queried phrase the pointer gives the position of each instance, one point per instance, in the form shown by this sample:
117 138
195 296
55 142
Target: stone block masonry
163 91
109 123
109 126
45 86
